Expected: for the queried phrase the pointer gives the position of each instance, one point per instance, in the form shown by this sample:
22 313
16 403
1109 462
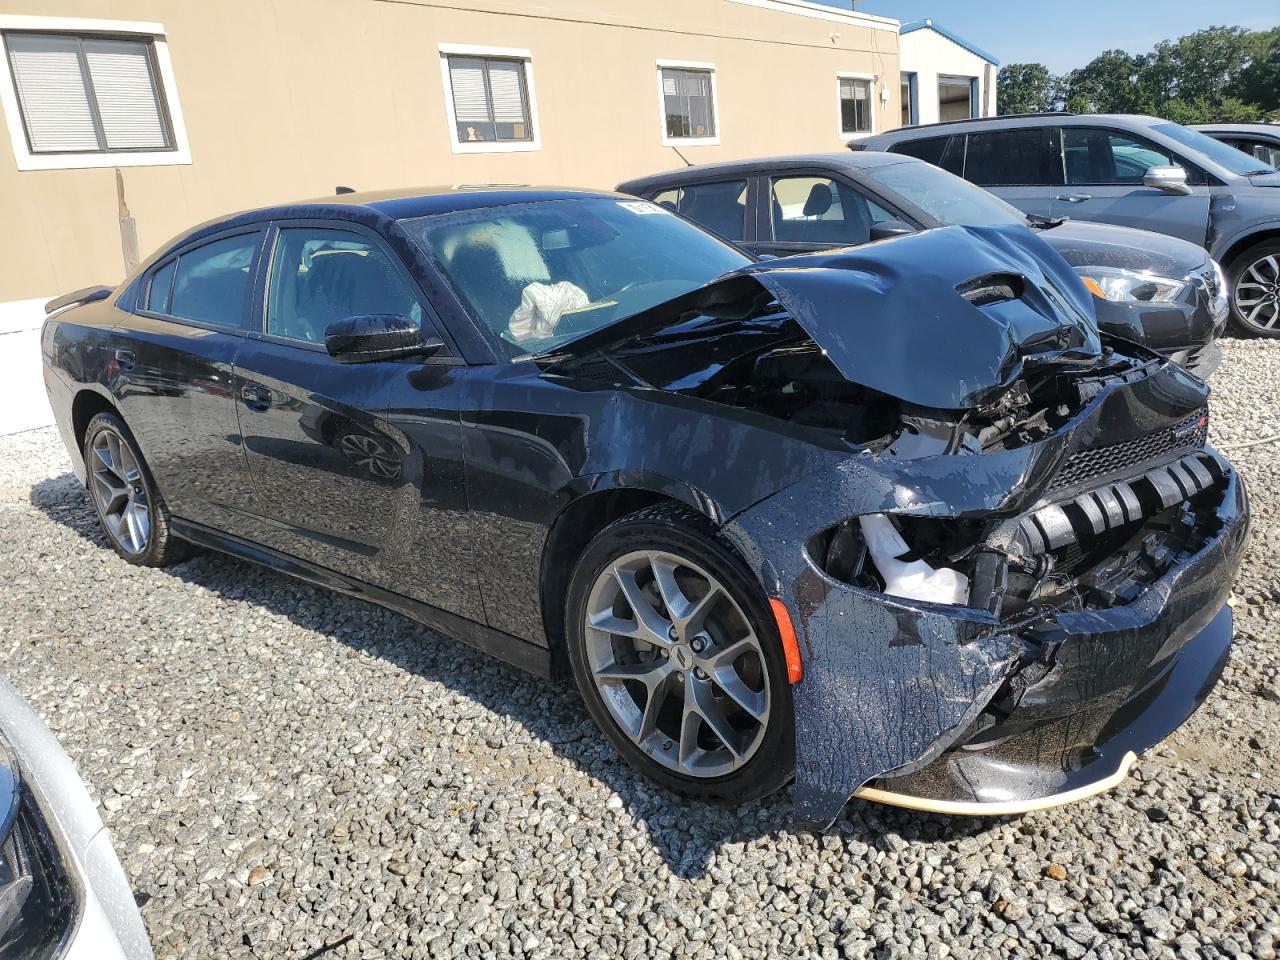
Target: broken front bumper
943 708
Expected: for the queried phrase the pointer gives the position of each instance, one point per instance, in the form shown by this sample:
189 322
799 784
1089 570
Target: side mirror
377 336
886 229
1170 180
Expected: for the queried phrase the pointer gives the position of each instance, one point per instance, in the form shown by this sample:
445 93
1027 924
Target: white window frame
153 32
871 106
668 141
448 50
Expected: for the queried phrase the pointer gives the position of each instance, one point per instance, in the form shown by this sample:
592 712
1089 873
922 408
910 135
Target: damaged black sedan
895 521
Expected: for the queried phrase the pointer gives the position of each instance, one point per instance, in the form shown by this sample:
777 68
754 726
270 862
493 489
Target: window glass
943 196
687 101
87 94
536 274
822 210
1096 156
720 207
855 105
319 276
1006 158
490 99
213 281
944 152
161 282
1220 153
1266 152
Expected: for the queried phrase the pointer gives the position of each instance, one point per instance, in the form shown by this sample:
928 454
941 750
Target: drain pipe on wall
128 228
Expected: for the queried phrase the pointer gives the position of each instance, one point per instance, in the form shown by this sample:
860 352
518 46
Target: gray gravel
285 771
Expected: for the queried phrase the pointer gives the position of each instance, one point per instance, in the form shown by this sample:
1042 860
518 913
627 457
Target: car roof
845 160
1269 129
405 203
1013 120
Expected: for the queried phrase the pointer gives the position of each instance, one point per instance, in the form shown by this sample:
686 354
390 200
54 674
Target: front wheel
678 658
130 509
1255 290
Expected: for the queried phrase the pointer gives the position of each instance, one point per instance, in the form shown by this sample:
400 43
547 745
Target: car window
721 207
212 282
821 210
539 273
320 275
1259 150
1093 155
944 152
1220 153
943 196
1005 158
161 285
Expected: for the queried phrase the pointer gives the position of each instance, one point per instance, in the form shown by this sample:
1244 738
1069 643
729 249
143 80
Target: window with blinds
87 94
490 100
688 102
855 105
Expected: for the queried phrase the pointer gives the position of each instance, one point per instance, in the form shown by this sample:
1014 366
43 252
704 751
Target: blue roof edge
929 24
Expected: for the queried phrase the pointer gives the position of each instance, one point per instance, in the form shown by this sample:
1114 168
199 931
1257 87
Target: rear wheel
130 509
1255 290
677 656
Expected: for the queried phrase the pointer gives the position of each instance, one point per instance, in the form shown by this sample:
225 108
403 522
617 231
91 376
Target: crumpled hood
946 318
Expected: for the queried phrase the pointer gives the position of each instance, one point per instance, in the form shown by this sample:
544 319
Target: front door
1103 171
341 483
173 362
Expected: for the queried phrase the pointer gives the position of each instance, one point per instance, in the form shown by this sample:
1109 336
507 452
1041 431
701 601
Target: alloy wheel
677 663
370 454
1257 293
120 492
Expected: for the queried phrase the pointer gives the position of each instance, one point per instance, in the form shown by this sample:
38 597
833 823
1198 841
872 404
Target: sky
1064 36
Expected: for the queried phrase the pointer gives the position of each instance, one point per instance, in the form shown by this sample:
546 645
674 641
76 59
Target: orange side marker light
790 648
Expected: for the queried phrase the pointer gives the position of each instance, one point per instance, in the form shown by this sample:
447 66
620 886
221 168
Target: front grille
1118 458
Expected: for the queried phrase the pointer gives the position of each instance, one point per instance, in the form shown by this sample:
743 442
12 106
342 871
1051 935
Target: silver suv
1129 170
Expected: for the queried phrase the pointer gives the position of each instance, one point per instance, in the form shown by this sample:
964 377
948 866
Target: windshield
536 274
945 197
1224 156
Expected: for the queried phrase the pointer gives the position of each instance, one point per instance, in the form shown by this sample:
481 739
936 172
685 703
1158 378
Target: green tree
1024 88
1259 82
1106 84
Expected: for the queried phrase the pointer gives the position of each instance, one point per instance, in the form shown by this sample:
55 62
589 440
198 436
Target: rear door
807 211
1103 170
340 483
173 363
1016 165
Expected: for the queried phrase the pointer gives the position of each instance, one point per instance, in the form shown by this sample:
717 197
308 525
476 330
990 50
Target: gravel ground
291 774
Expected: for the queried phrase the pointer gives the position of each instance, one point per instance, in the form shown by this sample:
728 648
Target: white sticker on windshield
642 207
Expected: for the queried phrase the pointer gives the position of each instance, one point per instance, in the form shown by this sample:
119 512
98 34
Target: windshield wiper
1036 222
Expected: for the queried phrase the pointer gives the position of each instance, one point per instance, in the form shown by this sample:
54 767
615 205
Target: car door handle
255 397
1075 197
125 359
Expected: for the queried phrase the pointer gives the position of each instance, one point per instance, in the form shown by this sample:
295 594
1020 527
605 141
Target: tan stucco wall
284 99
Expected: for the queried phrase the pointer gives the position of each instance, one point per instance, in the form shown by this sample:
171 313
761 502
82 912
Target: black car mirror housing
887 229
378 336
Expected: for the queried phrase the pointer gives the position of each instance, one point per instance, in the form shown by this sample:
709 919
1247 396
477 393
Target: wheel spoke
687 614
736 689
650 624
699 699
110 490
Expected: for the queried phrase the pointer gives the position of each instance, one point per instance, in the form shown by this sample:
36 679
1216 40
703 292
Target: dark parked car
1155 290
1129 170
894 520
1260 140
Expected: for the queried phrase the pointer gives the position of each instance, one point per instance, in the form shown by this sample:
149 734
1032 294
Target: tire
1258 271
676 743
130 510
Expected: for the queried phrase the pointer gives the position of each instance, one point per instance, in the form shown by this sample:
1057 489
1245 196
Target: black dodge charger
895 520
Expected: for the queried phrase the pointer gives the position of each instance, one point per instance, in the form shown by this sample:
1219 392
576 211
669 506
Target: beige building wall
284 99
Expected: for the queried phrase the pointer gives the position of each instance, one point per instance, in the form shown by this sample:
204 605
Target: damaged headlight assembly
37 902
1120 286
